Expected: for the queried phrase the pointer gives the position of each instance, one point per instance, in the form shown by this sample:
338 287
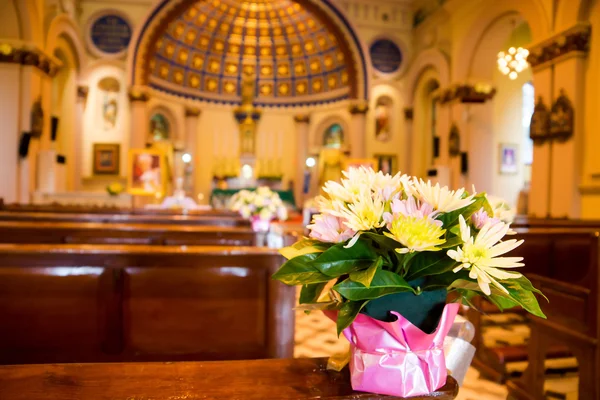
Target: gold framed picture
106 158
387 163
147 172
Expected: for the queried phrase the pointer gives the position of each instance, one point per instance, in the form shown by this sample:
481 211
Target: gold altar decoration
248 116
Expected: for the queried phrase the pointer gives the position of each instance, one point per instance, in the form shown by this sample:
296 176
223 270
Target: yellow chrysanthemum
416 234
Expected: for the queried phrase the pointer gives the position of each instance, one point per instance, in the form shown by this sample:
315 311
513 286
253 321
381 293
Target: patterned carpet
316 337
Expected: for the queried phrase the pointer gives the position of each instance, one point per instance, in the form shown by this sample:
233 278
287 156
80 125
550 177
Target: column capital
408 113
137 93
359 107
467 93
302 118
29 54
574 41
82 92
192 112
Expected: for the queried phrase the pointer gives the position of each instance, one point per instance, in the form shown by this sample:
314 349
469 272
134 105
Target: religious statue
382 119
109 89
331 161
247 116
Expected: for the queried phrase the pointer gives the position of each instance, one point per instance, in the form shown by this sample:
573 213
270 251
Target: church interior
127 128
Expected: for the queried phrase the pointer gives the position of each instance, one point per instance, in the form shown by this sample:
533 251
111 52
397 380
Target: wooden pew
108 233
570 279
292 379
125 218
101 303
542 249
85 209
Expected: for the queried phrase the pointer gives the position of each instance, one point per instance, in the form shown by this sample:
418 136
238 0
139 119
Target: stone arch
29 21
569 12
429 59
319 132
62 26
170 116
532 12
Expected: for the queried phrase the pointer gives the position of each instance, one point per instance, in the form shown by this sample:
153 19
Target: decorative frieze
28 55
192 112
467 93
575 40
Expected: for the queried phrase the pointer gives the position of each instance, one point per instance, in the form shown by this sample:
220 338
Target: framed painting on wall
106 159
386 163
508 158
147 172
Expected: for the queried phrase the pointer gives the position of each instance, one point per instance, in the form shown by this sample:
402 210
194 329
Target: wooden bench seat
291 379
101 303
118 233
205 220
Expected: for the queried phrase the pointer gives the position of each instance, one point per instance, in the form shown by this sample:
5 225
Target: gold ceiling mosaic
205 51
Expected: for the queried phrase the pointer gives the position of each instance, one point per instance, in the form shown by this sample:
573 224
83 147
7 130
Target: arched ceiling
202 49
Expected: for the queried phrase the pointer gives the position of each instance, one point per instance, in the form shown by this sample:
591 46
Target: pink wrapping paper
397 358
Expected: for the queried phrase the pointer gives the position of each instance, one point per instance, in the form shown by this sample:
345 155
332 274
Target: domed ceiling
205 48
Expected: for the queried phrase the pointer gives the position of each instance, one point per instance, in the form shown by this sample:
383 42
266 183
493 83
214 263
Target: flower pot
397 358
424 311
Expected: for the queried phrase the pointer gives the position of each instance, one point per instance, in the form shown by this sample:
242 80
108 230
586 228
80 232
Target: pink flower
411 208
329 228
481 217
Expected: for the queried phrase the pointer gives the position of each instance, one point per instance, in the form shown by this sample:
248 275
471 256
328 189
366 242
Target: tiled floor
316 337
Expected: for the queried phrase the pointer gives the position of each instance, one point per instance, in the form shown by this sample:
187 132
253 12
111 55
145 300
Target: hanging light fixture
513 61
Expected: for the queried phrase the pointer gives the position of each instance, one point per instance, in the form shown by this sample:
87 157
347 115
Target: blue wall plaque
110 34
386 56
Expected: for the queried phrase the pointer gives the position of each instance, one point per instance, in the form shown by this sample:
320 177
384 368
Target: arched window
334 136
160 129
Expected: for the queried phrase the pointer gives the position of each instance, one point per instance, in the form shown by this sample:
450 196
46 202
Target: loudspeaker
24 144
60 159
53 128
436 146
464 163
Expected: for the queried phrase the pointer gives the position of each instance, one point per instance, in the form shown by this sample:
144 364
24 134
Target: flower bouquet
391 257
260 206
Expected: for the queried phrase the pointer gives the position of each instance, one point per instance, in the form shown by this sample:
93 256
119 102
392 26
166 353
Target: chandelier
513 62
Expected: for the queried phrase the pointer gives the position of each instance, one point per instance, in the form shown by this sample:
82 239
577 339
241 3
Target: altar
219 198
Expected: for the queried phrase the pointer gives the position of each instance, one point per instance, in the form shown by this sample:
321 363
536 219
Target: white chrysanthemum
364 214
355 182
441 198
480 255
389 186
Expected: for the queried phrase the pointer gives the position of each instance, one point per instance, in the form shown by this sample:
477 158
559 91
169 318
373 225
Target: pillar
139 117
82 92
408 128
358 129
192 116
302 122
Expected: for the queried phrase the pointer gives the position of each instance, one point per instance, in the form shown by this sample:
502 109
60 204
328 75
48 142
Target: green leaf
300 271
527 285
366 275
445 280
503 303
325 305
304 246
337 260
310 293
384 282
429 263
451 242
348 313
384 241
450 219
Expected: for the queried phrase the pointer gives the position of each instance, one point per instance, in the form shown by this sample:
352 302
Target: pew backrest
99 303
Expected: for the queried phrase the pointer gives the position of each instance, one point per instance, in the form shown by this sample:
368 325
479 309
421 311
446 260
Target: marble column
82 93
302 123
139 117
358 129
192 115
